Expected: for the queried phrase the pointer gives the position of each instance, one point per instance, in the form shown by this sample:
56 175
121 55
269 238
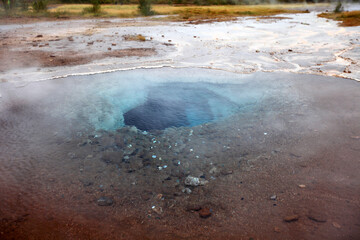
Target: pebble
317 217
193 208
336 225
204 213
158 210
273 197
194 181
302 186
105 201
276 229
214 170
226 172
186 190
291 218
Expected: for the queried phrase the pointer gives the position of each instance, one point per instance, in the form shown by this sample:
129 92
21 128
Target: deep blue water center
179 104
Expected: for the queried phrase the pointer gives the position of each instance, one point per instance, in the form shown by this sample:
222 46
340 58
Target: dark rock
226 172
317 217
112 157
105 201
145 196
39 36
193 208
87 183
204 213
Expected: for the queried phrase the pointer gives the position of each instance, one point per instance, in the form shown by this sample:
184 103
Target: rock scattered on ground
194 181
291 218
186 190
317 217
105 201
204 213
336 225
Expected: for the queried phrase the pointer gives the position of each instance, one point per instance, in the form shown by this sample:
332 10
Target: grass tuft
348 19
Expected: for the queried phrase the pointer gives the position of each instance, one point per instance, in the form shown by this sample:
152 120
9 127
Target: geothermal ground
283 166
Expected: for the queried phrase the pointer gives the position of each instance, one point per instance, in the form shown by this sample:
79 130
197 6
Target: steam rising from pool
148 99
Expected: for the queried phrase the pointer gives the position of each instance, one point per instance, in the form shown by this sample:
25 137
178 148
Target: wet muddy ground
285 169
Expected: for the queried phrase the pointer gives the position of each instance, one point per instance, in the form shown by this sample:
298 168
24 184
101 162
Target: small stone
169 40
145 196
291 218
39 36
186 190
194 181
105 201
87 183
302 186
214 170
226 172
317 217
336 225
273 197
70 38
109 48
193 208
204 213
276 229
158 210
113 44
290 50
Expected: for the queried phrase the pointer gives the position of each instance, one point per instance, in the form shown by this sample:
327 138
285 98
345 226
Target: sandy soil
300 180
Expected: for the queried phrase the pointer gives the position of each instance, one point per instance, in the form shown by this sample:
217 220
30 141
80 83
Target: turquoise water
148 98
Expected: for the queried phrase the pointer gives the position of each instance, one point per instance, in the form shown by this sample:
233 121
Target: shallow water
65 144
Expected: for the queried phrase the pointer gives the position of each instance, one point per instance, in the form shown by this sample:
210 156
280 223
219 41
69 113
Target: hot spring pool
149 99
111 154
